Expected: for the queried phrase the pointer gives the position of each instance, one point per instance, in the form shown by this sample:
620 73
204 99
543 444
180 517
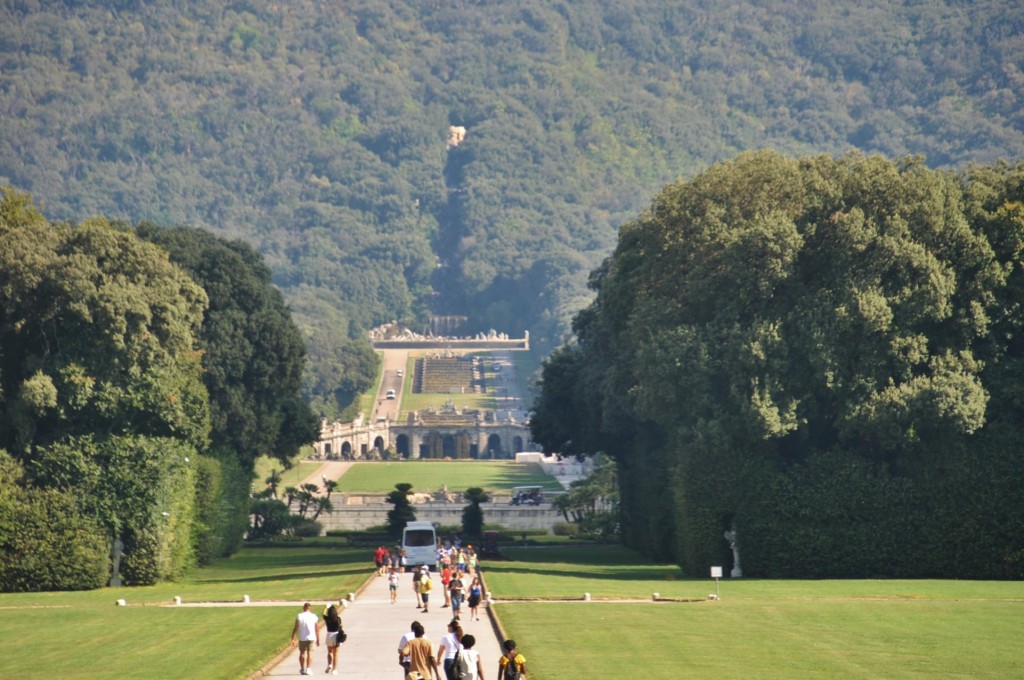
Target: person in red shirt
446 578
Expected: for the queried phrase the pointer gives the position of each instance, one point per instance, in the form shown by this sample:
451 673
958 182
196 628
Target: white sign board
716 572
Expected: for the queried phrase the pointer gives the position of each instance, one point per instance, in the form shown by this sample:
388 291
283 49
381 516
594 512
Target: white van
419 541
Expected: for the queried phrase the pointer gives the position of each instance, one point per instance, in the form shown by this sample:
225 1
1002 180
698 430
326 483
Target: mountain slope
317 131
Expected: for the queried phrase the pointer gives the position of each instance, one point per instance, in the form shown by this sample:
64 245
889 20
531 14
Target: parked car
527 495
489 549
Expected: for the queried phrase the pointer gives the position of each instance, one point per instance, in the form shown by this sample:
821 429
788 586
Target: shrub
565 529
270 517
222 506
307 528
46 544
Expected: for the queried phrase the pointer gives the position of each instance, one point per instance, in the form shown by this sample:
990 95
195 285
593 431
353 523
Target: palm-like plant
273 480
329 486
290 494
306 495
322 504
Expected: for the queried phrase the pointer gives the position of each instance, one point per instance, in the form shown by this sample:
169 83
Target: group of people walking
456 656
306 631
451 553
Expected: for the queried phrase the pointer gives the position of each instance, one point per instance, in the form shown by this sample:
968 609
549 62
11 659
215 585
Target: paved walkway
332 469
374 627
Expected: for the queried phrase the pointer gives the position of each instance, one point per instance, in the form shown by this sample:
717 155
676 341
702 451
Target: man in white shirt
306 630
403 659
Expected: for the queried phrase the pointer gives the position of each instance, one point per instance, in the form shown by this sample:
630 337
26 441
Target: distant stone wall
521 343
366 516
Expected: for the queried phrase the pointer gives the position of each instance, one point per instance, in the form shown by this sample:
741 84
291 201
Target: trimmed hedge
48 545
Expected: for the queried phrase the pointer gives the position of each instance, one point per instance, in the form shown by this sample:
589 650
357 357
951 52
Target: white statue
736 571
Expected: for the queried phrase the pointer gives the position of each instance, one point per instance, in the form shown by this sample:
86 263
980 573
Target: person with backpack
512 665
417 574
425 587
469 666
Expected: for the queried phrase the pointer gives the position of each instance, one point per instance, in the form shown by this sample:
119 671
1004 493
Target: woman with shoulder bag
448 650
334 633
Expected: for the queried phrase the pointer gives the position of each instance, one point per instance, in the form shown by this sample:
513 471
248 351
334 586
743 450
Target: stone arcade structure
429 434
444 432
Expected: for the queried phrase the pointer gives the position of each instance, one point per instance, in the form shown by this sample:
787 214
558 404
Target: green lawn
427 476
759 629
143 640
293 476
418 402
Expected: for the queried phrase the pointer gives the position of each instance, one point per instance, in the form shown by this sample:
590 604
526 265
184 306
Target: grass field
759 629
293 476
810 638
418 402
525 364
427 476
143 640
762 629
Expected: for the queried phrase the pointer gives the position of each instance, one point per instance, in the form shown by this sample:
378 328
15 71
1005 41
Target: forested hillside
317 131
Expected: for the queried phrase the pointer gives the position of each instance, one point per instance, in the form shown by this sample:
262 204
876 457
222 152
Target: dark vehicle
489 548
528 495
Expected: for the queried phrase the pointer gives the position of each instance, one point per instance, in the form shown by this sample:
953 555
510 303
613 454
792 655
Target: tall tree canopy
253 354
101 393
136 389
805 347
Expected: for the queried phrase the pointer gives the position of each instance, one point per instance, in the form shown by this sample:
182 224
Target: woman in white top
469 659
449 647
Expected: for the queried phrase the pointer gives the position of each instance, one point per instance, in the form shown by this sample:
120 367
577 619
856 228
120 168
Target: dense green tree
473 514
592 502
222 505
339 370
97 330
253 355
402 511
774 326
101 396
270 517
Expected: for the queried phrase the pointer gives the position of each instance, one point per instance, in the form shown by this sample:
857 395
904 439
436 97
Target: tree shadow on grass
625 574
270 578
